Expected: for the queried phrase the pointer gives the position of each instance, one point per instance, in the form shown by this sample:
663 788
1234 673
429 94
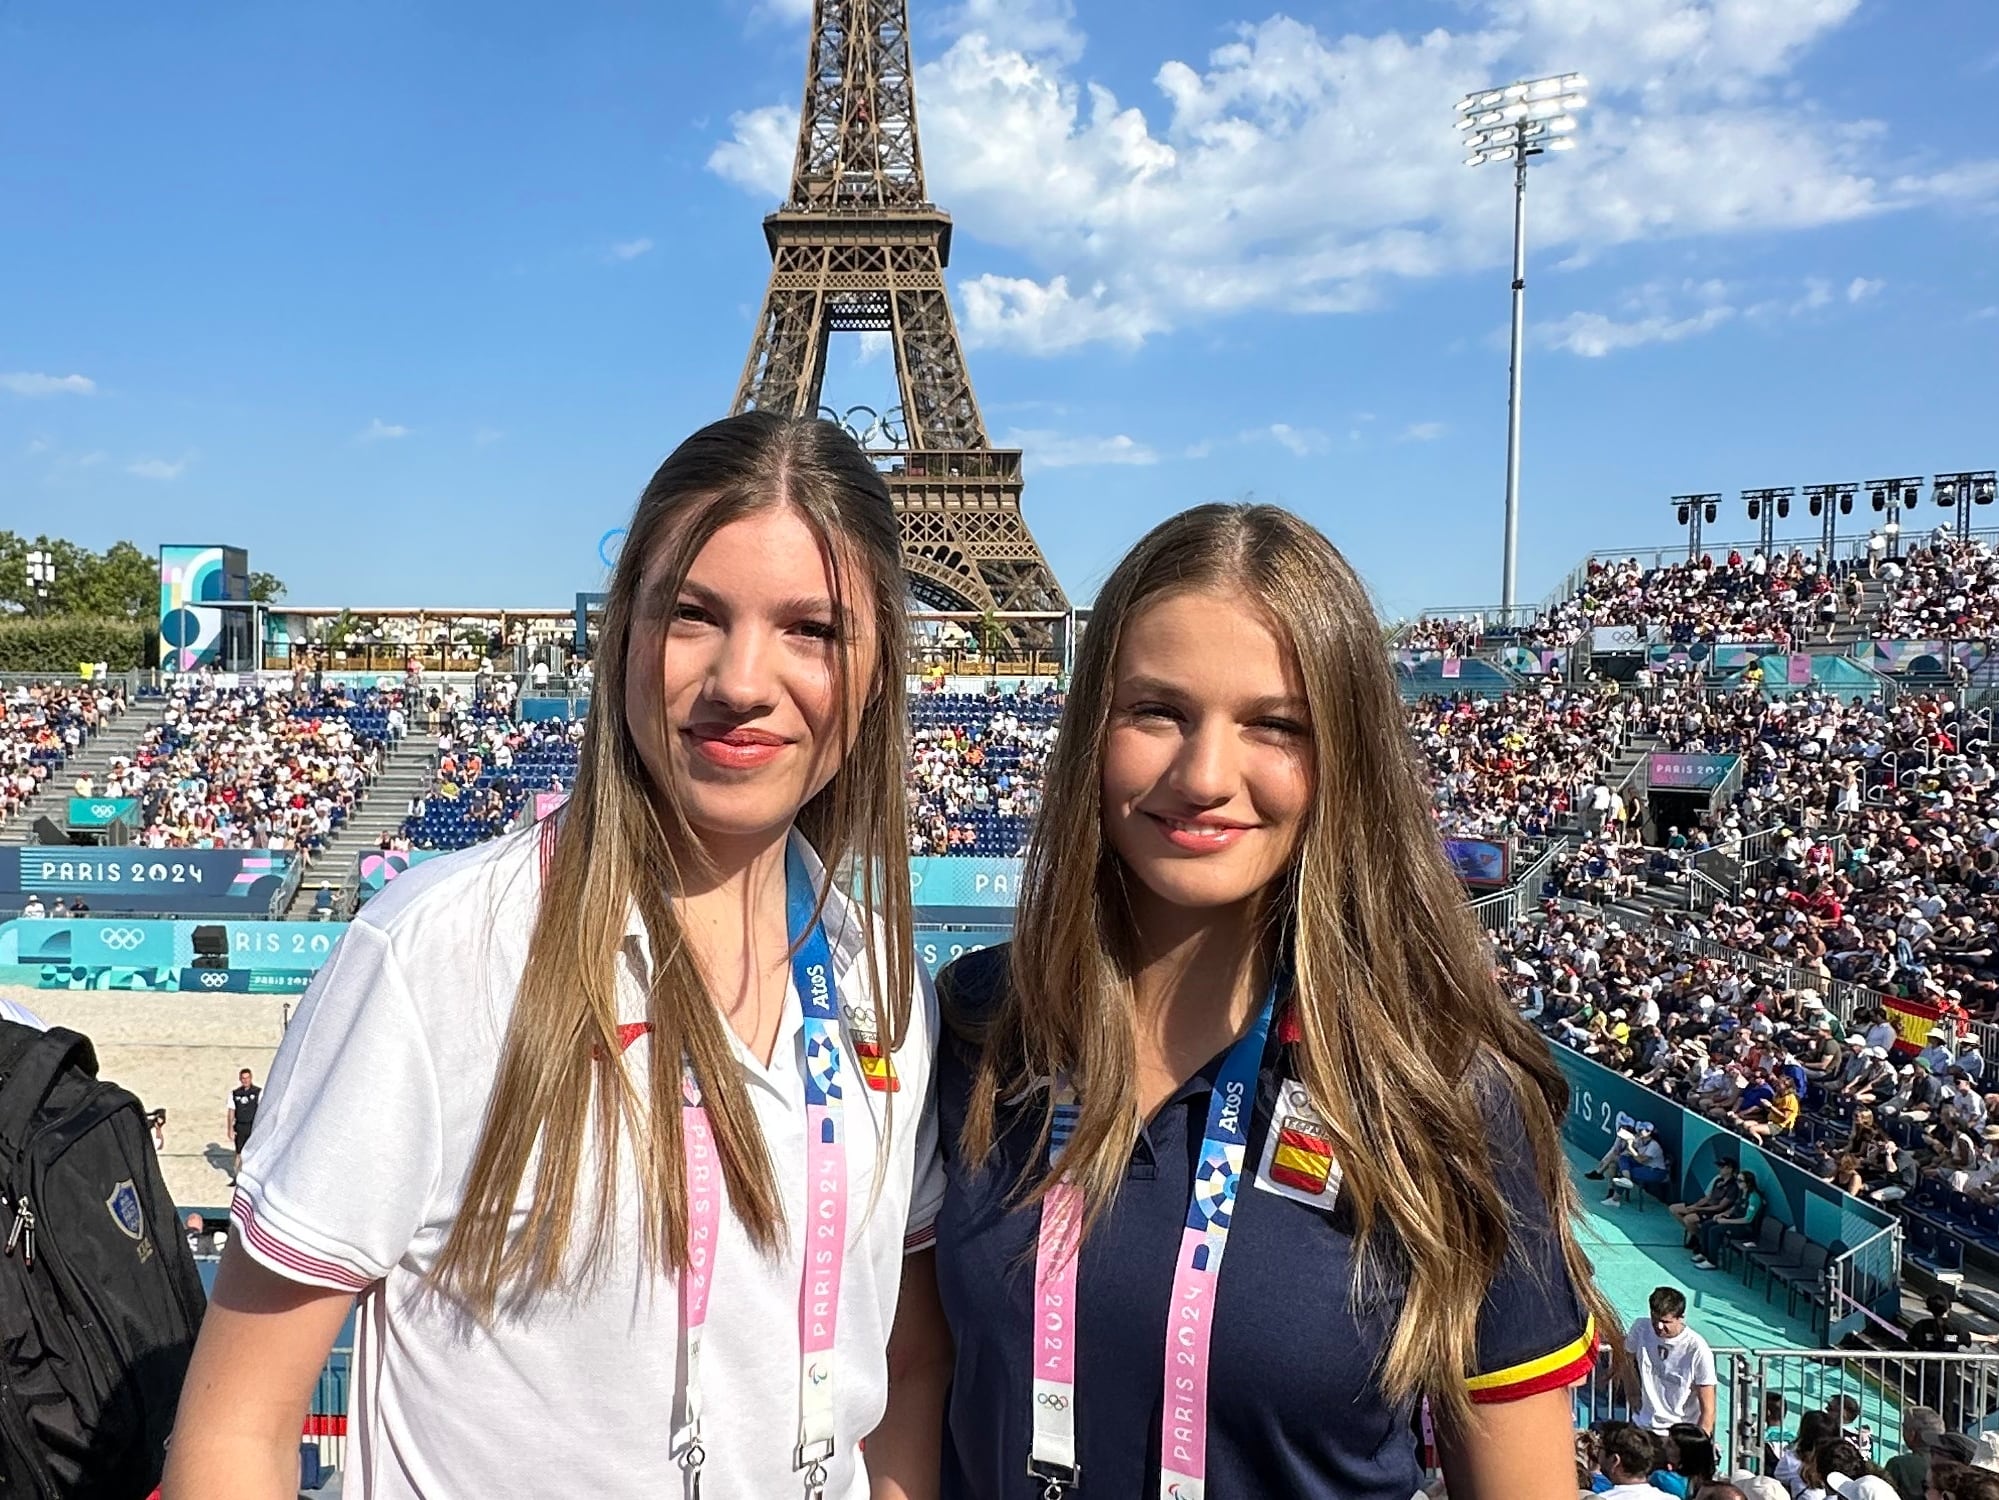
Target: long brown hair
623 842
1392 982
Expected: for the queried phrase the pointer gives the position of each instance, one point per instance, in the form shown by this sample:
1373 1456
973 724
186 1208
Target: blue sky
409 298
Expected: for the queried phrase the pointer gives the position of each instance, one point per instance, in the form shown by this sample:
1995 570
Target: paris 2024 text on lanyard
825 1198
1183 1425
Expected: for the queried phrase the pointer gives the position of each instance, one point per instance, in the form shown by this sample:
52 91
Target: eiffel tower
859 247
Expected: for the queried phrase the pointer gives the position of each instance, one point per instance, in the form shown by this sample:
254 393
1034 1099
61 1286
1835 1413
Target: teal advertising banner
1695 1146
937 947
273 958
945 883
102 812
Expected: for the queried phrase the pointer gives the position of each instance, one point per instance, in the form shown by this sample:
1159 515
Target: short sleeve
1534 1333
346 1152
926 1194
1703 1371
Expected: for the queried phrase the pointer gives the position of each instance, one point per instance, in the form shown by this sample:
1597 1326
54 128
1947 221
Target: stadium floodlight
1516 124
1963 490
41 577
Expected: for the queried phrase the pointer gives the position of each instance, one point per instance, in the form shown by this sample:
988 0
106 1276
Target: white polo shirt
370 1119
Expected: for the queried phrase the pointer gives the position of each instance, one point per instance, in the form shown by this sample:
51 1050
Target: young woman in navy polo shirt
1245 1010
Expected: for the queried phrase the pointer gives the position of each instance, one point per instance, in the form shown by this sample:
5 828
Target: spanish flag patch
1298 1159
877 1067
1303 1158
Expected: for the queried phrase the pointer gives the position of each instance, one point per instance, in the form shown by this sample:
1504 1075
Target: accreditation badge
1298 1160
876 1065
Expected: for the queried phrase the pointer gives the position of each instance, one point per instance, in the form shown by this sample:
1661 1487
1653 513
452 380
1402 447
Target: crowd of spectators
1729 1041
1521 763
488 765
42 724
1783 600
1945 589
1883 867
975 769
239 768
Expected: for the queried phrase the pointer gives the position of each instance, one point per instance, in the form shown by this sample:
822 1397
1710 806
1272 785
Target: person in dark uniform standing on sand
243 1100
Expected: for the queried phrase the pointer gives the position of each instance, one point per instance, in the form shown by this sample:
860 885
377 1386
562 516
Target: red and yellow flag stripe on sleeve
1551 1372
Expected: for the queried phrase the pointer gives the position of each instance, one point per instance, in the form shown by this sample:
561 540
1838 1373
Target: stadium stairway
118 741
406 770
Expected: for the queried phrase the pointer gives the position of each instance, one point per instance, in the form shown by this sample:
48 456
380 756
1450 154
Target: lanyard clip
812 1457
1056 1479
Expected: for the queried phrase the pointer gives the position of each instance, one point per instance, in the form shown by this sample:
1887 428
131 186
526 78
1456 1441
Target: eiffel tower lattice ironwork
859 247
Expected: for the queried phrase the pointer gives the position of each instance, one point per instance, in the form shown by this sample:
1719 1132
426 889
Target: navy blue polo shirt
1294 1406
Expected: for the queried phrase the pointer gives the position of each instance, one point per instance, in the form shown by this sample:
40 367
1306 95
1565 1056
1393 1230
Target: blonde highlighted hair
559 1098
1392 981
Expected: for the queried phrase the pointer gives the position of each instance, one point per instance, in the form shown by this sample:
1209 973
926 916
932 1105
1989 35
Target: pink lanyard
826 1199
1183 1424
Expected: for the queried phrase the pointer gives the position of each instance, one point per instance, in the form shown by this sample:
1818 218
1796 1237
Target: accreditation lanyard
1183 1426
824 1251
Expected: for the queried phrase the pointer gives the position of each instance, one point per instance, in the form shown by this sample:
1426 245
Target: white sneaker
1610 1200
1702 1263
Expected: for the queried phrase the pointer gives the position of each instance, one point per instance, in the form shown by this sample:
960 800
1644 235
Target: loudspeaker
211 947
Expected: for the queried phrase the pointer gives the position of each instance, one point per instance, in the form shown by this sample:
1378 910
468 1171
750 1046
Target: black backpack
99 1297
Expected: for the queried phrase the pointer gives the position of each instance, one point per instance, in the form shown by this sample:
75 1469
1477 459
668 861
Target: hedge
61 644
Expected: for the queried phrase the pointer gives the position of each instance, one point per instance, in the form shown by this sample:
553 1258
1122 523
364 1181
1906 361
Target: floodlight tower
1517 124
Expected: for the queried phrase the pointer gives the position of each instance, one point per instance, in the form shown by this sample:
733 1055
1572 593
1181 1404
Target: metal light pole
1829 502
1694 512
1768 507
1518 123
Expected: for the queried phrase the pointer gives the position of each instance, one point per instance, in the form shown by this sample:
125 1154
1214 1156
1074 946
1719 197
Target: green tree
266 588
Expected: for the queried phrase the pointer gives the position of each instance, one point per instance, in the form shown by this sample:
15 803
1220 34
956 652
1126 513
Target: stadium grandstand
1730 819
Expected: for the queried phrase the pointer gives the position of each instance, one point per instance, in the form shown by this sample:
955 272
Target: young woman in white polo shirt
1245 1008
612 1132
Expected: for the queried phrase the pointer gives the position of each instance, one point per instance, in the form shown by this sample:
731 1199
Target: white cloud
1014 312
1302 441
873 346
1983 313
158 468
1657 313
36 447
379 431
1301 171
1862 287
630 249
32 383
486 436
1421 432
1054 450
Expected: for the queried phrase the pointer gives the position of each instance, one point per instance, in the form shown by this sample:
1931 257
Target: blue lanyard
1223 1147
812 974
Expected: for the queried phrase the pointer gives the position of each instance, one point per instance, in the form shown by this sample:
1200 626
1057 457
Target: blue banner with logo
942 883
155 954
180 882
102 812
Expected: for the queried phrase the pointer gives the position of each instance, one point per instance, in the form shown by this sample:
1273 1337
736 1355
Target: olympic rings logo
1053 1400
121 939
213 979
609 545
102 809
